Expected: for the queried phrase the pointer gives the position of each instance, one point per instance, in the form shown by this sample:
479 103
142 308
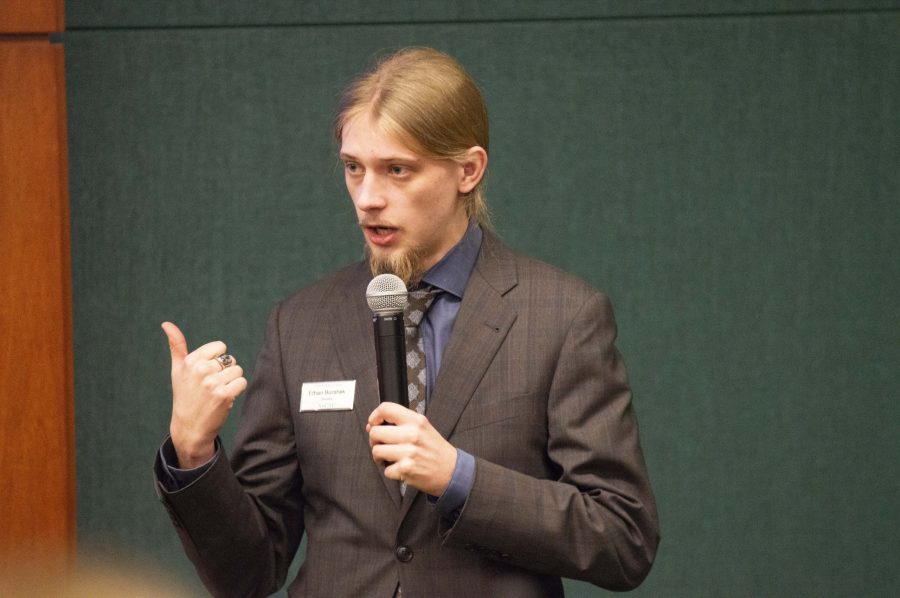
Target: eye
398 170
352 167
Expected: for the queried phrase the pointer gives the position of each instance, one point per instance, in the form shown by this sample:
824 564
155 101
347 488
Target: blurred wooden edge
32 16
37 456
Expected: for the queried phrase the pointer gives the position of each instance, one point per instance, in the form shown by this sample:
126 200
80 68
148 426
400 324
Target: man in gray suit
522 465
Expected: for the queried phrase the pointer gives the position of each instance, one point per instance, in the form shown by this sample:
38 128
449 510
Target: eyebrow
415 159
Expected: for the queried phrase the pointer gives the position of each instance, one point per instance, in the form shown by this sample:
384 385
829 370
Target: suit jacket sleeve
241 522
595 521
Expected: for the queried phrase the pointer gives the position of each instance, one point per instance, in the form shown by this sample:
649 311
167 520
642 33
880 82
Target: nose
369 194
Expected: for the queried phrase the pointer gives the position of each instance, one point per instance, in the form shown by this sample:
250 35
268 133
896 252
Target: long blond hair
429 102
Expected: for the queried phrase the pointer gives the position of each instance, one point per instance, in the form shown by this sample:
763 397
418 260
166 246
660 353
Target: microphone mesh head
386 294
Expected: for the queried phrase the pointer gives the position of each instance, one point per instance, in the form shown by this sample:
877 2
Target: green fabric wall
727 173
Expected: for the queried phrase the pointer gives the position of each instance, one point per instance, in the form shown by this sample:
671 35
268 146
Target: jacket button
404 554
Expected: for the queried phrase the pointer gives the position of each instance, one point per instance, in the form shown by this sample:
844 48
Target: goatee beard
403 263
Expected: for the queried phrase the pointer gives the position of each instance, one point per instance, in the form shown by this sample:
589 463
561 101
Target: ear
473 166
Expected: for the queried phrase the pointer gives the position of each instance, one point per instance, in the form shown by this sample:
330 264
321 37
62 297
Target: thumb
177 343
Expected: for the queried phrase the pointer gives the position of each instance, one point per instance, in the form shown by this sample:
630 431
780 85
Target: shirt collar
452 273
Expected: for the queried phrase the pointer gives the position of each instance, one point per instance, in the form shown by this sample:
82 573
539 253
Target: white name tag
327 396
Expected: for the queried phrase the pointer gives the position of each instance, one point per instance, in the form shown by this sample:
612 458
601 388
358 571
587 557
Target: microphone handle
390 352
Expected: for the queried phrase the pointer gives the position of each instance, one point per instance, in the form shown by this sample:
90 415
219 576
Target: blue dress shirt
451 275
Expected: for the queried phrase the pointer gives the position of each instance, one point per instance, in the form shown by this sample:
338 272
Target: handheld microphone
387 298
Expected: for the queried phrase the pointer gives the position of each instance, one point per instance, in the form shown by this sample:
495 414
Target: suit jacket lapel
482 324
355 346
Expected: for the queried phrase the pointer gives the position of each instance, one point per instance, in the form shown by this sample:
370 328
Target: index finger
210 350
391 413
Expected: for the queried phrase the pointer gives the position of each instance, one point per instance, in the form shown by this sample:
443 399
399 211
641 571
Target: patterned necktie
419 302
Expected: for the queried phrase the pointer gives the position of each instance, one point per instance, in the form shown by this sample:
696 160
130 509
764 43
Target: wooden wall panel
31 16
36 396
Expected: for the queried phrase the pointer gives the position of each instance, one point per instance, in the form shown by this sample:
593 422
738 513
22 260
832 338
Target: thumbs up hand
203 392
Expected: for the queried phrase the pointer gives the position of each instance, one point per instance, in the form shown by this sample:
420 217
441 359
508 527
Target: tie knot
418 302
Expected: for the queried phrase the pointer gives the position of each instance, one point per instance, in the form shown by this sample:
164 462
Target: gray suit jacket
531 385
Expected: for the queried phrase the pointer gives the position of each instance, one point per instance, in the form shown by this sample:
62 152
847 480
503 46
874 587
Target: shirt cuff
451 502
175 478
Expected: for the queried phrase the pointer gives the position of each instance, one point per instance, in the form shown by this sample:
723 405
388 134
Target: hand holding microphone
411 449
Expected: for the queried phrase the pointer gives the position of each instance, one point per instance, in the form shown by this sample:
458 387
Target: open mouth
380 235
